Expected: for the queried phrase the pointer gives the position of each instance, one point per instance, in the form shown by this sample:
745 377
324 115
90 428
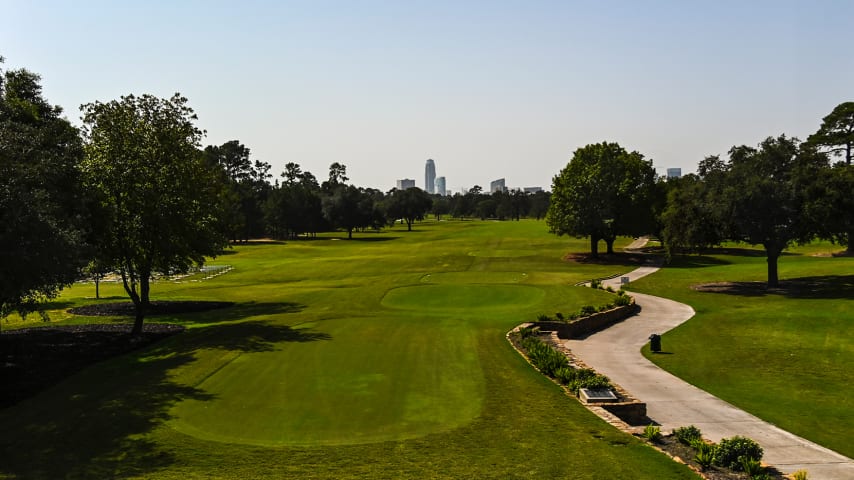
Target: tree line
134 192
779 193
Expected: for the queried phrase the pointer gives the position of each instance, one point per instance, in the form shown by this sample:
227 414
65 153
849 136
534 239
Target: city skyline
520 86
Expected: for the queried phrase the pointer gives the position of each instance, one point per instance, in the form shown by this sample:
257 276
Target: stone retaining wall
586 325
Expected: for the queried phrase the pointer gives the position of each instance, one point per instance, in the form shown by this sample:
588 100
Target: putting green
444 297
475 278
432 382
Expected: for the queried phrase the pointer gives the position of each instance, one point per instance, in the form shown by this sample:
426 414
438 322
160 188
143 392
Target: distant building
497 186
440 186
405 183
674 172
532 189
430 176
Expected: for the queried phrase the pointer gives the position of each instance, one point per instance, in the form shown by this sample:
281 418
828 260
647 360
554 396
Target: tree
831 204
603 192
246 188
158 193
836 133
692 219
349 208
42 206
411 204
765 195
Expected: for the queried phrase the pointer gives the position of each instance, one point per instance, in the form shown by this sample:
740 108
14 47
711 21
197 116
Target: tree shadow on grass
696 261
819 287
96 423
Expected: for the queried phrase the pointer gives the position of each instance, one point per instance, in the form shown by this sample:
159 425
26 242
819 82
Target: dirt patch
32 359
158 307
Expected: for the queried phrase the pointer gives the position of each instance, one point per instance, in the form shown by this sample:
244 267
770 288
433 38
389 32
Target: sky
487 89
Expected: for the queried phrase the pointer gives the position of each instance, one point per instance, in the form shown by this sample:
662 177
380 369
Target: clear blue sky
487 89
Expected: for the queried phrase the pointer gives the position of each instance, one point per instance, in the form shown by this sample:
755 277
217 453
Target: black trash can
655 342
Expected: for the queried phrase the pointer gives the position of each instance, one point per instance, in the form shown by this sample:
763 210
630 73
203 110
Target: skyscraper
497 186
440 186
430 176
405 183
674 172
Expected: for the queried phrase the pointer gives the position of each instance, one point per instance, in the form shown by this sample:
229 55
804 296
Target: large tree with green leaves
603 192
42 206
158 195
410 204
765 195
836 134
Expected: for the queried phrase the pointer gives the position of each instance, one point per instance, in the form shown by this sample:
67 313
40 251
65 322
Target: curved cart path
673 402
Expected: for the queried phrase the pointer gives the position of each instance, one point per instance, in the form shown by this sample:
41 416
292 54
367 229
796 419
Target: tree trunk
408 225
97 287
144 289
773 279
610 243
349 234
850 243
594 247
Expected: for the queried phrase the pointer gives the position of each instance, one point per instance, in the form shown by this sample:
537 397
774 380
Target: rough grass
315 373
785 355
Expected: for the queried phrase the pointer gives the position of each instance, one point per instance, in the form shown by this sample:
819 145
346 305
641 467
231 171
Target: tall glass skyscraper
430 177
440 186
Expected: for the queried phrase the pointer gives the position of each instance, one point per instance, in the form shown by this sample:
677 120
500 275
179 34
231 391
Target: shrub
687 434
622 300
750 466
559 316
588 378
652 433
595 283
544 357
729 452
621 292
704 458
587 310
543 318
800 475
565 375
609 289
525 332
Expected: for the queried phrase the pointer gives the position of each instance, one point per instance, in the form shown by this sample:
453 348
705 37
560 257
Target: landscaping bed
32 359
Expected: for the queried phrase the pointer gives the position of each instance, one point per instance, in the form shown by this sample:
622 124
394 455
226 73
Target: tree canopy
410 204
836 133
42 207
603 192
157 193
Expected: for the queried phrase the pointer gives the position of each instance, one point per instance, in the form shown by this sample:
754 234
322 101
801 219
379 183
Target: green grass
381 357
785 357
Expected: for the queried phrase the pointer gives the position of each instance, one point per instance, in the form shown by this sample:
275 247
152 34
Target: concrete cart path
673 402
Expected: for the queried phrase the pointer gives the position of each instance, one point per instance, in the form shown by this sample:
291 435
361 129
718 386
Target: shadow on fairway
238 311
696 261
820 287
95 424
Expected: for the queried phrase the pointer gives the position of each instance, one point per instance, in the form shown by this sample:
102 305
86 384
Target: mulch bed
685 454
32 359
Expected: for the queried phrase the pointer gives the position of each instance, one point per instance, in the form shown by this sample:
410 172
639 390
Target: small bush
729 452
686 435
750 466
800 475
525 332
704 459
565 375
587 310
543 318
609 289
595 283
559 316
588 378
652 433
621 292
622 301
544 357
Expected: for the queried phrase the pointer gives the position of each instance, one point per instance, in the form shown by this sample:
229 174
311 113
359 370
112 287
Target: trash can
655 342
